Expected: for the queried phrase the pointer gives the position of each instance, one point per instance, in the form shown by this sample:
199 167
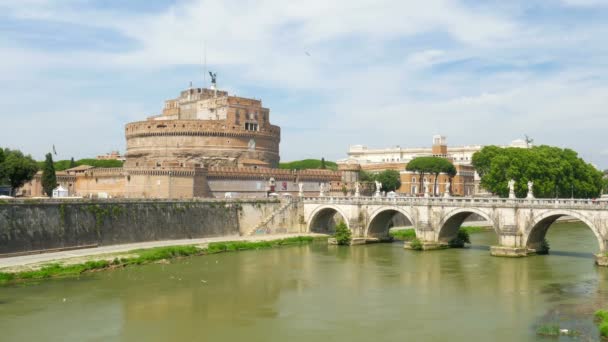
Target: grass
403 234
146 256
470 229
551 329
410 234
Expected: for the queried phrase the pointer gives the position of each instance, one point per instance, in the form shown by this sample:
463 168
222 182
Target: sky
334 73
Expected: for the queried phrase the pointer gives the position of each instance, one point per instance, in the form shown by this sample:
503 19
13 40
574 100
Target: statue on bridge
357 188
448 185
378 187
426 188
322 190
512 189
301 189
530 192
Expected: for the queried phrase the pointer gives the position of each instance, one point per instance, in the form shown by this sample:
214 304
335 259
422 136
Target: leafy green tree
49 178
18 169
431 165
555 172
441 165
365 176
343 234
390 180
2 173
72 163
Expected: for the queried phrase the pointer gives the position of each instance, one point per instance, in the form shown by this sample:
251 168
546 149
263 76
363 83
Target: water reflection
375 292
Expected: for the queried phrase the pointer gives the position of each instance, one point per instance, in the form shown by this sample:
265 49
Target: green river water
319 293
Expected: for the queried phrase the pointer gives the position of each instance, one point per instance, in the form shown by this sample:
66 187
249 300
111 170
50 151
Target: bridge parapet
588 204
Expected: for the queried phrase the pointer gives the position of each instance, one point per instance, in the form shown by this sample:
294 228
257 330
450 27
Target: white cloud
585 3
379 72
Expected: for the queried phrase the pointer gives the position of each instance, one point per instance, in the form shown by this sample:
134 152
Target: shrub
416 244
601 315
461 238
343 234
544 247
604 329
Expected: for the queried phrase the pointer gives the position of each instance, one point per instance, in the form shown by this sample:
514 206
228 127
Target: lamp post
572 196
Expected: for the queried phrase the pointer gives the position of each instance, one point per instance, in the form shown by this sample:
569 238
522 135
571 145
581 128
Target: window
251 126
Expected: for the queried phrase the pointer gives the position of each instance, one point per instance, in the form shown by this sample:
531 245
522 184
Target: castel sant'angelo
205 127
205 143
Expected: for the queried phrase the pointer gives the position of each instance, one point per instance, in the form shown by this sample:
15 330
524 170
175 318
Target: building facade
465 183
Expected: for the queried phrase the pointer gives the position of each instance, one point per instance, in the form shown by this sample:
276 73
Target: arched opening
381 224
325 220
477 224
569 234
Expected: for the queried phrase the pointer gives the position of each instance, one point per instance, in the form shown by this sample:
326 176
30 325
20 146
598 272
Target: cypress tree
72 163
49 179
323 164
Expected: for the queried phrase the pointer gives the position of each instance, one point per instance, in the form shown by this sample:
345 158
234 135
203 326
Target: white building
459 154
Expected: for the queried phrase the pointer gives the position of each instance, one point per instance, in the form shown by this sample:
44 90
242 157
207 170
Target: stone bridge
520 224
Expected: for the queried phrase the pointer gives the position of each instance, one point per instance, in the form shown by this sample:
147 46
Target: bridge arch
324 219
383 218
452 220
535 233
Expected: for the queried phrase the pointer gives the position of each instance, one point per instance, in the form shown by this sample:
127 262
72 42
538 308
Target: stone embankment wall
30 226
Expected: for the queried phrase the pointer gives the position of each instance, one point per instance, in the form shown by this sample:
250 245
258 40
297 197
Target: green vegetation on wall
307 164
555 172
62 165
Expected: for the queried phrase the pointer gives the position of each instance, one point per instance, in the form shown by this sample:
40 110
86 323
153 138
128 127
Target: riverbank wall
28 225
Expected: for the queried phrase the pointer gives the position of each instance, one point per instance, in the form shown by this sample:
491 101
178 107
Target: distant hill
61 165
307 164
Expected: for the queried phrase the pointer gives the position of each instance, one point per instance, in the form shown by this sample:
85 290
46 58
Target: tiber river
323 293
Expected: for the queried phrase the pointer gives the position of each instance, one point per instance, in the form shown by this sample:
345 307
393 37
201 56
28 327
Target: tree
323 166
49 178
72 163
431 165
555 172
18 169
2 173
441 165
390 180
365 176
343 234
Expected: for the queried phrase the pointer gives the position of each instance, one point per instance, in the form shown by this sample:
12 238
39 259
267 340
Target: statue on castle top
213 77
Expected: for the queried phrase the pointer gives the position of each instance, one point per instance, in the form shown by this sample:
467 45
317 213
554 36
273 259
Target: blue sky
333 73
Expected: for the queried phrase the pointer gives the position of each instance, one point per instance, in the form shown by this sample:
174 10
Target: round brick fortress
208 142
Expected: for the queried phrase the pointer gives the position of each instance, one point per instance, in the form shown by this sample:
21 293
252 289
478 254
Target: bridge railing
465 201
